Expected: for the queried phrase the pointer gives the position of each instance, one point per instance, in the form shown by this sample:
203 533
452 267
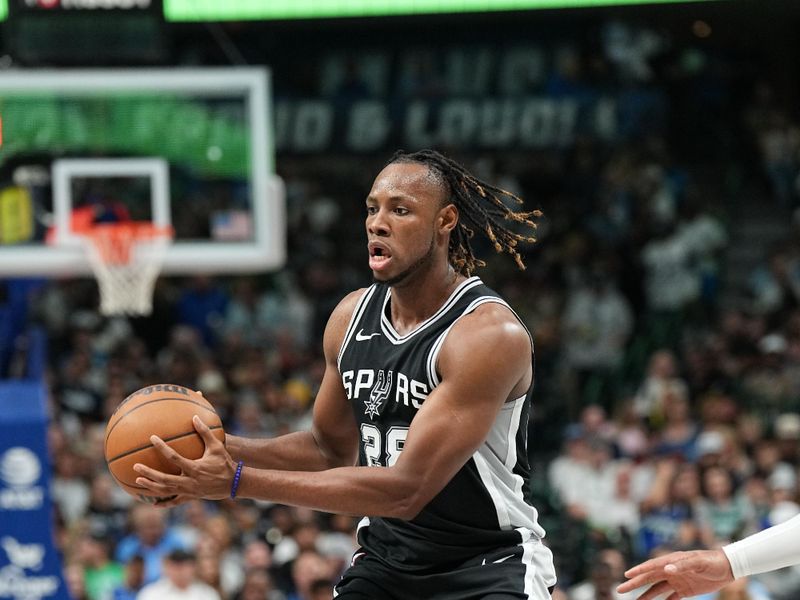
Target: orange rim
113 241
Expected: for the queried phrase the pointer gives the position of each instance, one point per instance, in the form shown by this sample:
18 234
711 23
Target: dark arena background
660 140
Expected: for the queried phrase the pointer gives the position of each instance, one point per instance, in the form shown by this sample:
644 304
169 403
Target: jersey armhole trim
433 355
358 312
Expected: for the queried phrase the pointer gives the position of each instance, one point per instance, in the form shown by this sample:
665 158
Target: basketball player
429 380
684 574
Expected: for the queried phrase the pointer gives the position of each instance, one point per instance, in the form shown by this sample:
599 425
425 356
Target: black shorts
499 575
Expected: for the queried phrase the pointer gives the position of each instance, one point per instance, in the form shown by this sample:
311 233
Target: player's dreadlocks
480 206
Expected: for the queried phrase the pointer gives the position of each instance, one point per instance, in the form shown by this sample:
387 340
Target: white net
126 259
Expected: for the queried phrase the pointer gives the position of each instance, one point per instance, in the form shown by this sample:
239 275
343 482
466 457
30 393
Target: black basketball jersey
387 377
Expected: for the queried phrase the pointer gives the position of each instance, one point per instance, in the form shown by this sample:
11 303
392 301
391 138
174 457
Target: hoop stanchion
126 259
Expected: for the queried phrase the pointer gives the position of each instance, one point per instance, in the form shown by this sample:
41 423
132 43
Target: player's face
402 210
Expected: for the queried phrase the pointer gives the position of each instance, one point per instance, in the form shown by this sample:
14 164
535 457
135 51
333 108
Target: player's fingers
156 476
169 452
674 596
656 591
160 489
204 432
641 580
654 564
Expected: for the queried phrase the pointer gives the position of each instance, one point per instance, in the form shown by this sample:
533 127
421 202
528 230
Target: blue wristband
236 478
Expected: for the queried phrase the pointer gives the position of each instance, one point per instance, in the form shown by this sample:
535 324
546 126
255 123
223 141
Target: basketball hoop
126 258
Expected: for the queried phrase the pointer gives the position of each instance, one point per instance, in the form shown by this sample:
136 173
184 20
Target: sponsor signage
318 125
468 97
217 10
29 565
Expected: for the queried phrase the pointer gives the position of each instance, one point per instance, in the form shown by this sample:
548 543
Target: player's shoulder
347 305
489 337
340 318
490 324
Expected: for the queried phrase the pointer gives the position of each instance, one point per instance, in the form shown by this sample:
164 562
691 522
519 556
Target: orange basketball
165 410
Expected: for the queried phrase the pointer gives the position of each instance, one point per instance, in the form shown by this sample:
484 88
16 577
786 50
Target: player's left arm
486 357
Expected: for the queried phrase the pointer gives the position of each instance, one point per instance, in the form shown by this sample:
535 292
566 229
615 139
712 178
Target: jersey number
371 438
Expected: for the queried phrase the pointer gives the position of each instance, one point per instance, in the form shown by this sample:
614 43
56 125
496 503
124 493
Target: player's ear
447 219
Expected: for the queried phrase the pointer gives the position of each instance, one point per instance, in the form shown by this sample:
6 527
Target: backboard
187 148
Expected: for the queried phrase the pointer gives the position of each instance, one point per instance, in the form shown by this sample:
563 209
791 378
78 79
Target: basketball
165 410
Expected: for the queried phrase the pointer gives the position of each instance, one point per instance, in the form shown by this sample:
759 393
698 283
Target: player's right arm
684 574
333 438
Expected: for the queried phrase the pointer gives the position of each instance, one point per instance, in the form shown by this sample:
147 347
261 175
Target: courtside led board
215 10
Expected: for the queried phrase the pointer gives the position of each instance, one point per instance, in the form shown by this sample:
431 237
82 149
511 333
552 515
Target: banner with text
29 565
513 95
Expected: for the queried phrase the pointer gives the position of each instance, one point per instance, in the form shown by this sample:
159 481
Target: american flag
231 225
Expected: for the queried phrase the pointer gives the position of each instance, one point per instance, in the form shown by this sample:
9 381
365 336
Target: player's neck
417 300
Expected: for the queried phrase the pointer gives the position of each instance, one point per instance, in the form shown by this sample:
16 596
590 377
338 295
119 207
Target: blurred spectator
191 522
179 362
788 438
708 449
779 143
150 538
338 542
661 381
671 285
179 581
228 556
783 488
593 486
257 586
600 585
75 581
281 308
597 323
70 491
257 555
208 572
321 589
101 574
744 588
570 467
678 432
669 512
307 569
721 513
133 580
775 286
705 236
107 510
620 517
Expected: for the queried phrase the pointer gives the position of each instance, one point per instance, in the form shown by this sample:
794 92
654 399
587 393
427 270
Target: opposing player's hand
680 575
210 476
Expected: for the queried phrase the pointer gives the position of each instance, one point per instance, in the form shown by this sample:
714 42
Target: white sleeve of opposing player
767 550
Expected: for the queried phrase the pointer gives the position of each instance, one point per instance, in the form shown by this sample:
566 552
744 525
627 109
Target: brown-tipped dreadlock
480 206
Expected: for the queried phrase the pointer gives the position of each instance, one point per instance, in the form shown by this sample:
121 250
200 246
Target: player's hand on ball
210 476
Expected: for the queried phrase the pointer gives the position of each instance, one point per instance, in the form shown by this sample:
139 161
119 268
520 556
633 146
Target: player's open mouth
379 256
